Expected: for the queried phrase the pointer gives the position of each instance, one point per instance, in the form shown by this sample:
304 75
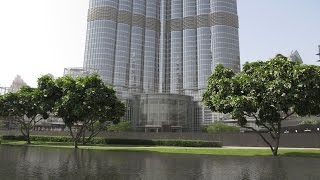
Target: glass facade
165 112
151 47
176 46
123 44
137 46
190 70
224 34
162 46
203 43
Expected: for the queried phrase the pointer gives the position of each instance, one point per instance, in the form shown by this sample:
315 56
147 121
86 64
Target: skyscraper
161 46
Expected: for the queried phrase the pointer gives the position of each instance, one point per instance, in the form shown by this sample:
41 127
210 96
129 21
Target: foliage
180 143
164 142
313 122
39 138
269 92
2 124
222 128
26 107
123 126
85 102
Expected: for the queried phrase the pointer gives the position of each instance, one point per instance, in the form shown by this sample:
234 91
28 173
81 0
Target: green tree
84 103
26 107
269 92
222 128
122 126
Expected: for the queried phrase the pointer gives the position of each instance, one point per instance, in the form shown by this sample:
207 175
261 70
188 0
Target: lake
54 163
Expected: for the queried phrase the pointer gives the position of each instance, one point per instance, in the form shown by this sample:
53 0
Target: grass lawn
178 150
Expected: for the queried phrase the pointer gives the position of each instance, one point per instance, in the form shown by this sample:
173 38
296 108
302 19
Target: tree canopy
85 102
26 107
268 92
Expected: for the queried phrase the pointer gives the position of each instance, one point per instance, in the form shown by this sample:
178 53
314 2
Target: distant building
295 56
76 72
318 54
4 90
17 83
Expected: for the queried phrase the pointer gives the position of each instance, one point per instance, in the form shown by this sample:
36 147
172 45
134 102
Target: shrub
131 142
222 128
13 138
189 143
312 122
123 126
39 138
51 138
180 143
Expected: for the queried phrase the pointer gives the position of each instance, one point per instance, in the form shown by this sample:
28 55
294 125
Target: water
54 163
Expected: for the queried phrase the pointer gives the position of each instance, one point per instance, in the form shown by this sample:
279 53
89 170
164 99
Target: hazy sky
45 36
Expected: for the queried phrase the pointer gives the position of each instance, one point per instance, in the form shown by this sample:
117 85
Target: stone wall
298 140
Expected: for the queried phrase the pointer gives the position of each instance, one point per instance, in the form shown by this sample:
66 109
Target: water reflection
51 163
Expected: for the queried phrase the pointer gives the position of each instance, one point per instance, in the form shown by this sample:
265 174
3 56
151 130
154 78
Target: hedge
40 138
145 142
189 143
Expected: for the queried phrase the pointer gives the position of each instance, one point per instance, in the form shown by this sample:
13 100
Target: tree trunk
84 137
275 138
25 134
275 149
28 136
78 137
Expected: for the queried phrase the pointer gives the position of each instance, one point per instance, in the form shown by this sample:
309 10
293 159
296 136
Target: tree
103 110
84 103
269 92
122 126
27 107
222 128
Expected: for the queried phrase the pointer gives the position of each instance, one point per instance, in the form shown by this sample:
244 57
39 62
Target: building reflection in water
52 163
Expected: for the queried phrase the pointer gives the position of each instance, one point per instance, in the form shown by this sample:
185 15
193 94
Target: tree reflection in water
53 163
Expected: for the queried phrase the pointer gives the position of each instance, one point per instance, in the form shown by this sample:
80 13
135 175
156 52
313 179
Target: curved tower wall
224 33
190 71
122 49
203 43
122 44
101 38
165 46
176 45
137 46
151 47
164 63
169 46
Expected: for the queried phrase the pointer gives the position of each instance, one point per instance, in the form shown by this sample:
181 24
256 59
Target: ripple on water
54 163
